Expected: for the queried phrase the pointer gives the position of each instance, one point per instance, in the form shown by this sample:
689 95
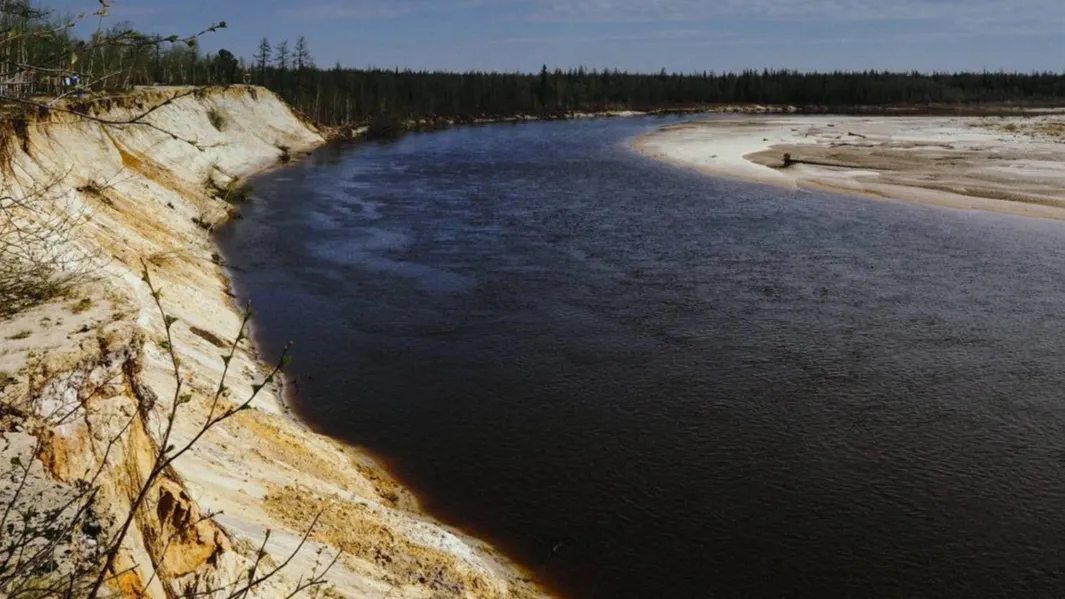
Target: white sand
720 149
1014 164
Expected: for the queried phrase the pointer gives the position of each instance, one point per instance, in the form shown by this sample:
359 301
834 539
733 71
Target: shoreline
358 131
371 463
367 459
375 465
1010 165
361 129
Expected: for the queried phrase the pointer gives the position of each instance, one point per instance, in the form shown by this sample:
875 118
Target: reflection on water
643 383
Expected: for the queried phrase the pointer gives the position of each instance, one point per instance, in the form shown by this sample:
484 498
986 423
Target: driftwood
789 161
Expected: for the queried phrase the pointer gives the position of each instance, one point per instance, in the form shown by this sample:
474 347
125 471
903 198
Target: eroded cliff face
88 382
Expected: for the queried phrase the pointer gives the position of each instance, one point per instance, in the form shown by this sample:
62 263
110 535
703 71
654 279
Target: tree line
120 57
340 95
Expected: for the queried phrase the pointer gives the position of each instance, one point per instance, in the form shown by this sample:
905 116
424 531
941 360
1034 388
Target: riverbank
148 195
1013 165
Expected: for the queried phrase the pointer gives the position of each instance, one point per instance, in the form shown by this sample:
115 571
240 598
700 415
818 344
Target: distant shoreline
1013 165
433 123
366 129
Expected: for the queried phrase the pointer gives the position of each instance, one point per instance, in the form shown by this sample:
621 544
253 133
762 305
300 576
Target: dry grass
84 305
1040 129
1050 128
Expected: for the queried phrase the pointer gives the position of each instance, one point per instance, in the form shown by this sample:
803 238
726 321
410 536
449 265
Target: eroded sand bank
1014 165
74 370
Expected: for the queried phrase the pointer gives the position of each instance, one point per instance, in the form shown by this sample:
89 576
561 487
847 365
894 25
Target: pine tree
262 59
303 61
226 67
544 91
303 54
281 63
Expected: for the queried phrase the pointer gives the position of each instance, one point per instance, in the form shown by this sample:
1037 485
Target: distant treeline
121 57
343 95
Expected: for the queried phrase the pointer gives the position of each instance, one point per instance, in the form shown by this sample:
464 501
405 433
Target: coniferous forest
339 95
120 57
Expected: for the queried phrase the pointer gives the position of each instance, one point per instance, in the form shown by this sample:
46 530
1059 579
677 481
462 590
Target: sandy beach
1014 165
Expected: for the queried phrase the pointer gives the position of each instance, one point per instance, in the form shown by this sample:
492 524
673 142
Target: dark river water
641 382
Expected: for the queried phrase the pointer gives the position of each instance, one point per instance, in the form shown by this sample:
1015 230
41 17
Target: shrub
385 126
37 262
81 306
202 222
238 192
91 188
218 120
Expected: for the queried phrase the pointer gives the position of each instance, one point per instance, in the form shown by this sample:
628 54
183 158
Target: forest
120 57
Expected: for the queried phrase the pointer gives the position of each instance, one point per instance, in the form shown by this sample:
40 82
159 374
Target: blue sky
639 35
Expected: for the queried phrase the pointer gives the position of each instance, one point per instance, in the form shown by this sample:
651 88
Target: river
641 382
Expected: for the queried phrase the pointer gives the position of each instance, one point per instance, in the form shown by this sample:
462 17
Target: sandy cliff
92 366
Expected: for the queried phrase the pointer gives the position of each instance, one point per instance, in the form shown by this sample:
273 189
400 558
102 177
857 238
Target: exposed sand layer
1013 164
74 370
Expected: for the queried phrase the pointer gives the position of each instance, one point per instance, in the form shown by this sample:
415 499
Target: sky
634 35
